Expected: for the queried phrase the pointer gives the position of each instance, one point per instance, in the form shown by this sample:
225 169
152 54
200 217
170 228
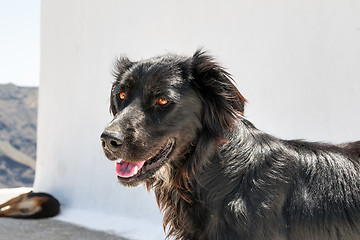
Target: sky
20 42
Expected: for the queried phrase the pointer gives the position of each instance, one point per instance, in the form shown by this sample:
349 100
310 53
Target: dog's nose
112 140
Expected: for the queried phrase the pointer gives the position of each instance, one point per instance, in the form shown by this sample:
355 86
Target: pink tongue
127 169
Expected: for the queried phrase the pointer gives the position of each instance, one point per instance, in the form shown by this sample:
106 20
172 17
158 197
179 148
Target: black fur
224 178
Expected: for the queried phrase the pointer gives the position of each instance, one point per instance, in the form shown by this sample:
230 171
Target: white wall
297 63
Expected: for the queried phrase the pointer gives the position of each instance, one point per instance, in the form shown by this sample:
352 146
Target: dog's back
31 206
353 148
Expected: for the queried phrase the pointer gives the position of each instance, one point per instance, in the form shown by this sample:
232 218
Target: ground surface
67 225
46 229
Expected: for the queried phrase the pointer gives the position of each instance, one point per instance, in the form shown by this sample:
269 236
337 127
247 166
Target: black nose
112 140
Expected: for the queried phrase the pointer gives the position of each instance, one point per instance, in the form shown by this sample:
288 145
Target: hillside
18 117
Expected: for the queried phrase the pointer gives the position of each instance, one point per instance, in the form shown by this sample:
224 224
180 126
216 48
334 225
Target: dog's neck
180 195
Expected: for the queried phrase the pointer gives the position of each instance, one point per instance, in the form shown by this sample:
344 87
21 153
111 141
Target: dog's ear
222 101
121 66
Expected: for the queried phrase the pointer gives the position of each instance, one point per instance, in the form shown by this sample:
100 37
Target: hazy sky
20 42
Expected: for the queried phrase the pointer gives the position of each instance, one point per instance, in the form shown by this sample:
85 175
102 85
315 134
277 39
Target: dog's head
161 107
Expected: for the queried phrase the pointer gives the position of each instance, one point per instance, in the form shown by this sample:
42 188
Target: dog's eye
162 101
122 95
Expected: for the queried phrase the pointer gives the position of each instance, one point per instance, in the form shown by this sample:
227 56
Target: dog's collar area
133 170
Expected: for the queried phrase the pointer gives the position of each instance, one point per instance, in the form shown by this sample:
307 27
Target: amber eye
162 101
122 95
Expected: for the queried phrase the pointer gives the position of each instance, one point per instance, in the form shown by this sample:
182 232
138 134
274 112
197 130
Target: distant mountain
18 120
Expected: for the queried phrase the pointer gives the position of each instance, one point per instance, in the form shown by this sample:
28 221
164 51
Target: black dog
178 127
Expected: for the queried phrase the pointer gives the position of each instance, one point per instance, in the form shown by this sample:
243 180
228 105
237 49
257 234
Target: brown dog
30 206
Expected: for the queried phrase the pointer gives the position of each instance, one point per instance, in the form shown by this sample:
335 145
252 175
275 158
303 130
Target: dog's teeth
135 170
120 161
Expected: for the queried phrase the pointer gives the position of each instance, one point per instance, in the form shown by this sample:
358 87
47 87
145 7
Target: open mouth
130 171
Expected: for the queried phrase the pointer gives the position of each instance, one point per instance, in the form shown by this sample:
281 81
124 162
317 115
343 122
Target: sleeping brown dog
30 205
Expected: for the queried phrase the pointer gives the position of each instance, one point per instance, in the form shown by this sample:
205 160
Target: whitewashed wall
297 63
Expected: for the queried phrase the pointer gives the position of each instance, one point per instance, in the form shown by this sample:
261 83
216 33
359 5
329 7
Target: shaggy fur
217 176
